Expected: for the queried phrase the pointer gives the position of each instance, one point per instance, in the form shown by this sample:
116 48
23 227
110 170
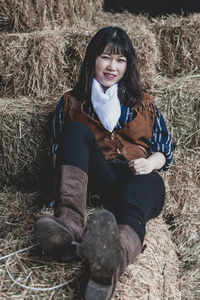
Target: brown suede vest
130 141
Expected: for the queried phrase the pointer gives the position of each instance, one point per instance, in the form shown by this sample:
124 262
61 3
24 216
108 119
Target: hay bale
182 184
189 283
28 15
41 63
21 159
181 115
45 62
32 64
25 141
143 39
178 99
186 235
178 39
152 276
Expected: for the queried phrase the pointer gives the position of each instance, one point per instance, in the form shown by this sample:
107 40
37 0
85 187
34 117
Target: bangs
115 48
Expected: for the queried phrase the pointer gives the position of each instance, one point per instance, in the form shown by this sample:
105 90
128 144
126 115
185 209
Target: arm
146 165
160 148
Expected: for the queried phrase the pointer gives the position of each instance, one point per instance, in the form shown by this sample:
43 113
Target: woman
108 134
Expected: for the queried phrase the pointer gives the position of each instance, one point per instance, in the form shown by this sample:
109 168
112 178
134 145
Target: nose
111 65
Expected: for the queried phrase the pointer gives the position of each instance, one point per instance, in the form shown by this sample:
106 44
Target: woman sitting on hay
108 135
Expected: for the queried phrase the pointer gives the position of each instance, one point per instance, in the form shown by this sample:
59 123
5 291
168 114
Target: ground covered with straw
40 58
154 274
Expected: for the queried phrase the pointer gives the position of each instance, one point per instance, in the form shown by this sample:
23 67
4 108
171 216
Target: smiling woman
108 136
110 68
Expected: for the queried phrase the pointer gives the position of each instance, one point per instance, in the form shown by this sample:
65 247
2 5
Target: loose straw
7 258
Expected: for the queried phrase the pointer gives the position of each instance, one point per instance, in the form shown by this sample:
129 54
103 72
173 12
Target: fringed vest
131 141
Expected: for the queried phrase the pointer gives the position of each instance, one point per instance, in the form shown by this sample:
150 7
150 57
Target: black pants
134 199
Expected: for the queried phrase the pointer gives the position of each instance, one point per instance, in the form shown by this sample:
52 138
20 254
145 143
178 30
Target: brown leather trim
143 149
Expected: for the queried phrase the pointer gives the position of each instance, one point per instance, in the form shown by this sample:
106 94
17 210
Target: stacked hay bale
47 62
31 64
41 63
159 278
25 142
178 39
29 15
178 98
35 68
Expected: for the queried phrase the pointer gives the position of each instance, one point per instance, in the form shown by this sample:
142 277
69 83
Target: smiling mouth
109 76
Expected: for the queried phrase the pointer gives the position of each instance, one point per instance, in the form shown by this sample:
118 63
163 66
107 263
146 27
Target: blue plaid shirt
160 141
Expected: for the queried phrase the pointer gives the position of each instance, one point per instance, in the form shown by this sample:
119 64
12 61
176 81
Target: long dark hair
129 91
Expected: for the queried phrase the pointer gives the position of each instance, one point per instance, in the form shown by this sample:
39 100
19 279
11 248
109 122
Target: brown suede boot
55 234
108 249
131 247
100 247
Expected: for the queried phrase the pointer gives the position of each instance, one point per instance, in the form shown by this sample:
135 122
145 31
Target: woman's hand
142 166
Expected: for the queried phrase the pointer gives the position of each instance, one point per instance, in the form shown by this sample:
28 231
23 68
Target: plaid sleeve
161 140
57 125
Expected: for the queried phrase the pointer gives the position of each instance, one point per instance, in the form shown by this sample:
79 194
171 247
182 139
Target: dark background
153 7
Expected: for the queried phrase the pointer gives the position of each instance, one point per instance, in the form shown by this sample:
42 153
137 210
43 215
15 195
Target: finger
132 169
131 163
139 160
140 165
140 173
139 168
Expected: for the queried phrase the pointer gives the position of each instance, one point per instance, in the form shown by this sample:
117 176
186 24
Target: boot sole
52 237
101 248
98 291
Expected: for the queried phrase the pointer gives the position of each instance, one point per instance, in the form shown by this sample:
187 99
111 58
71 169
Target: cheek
125 68
98 67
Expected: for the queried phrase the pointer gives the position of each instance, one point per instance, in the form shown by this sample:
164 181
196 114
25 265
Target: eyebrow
109 53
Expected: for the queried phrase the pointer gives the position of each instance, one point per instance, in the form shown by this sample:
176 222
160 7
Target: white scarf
106 105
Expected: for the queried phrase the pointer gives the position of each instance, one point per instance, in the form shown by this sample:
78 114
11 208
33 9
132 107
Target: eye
122 60
104 56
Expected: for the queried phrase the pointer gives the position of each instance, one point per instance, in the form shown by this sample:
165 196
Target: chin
108 85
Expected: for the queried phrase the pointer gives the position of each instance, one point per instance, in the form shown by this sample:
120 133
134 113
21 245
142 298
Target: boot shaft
70 198
131 247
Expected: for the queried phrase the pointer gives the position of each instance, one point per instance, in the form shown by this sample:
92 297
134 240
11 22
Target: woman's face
110 68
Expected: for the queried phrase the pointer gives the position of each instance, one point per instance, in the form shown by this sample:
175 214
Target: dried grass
152 276
25 136
182 184
182 213
24 142
178 38
29 15
186 235
189 283
47 62
32 64
178 100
